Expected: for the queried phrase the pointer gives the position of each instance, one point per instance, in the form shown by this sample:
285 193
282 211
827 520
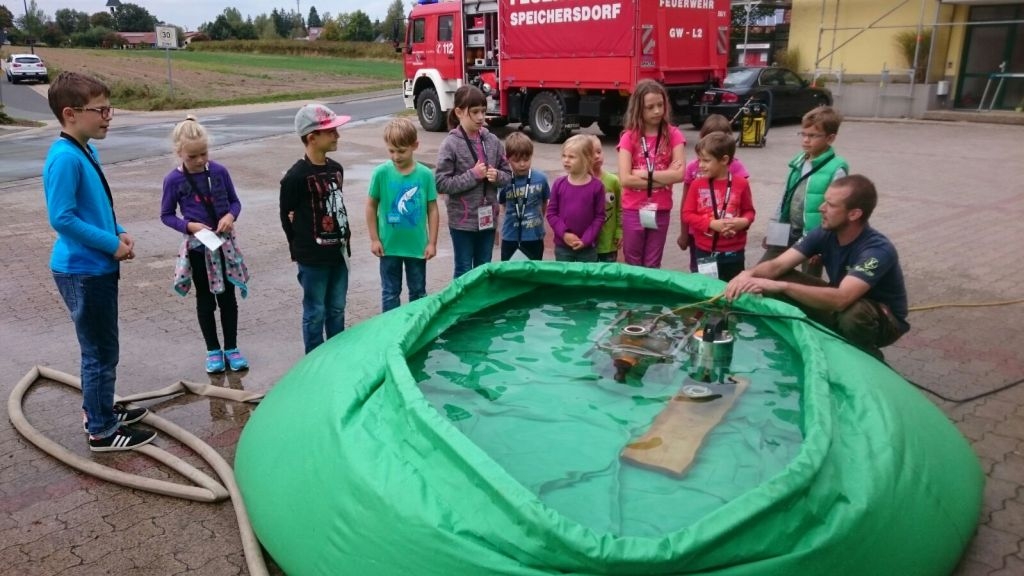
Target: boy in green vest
811 172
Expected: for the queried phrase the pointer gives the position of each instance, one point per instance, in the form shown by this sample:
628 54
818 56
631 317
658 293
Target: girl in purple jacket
208 257
576 208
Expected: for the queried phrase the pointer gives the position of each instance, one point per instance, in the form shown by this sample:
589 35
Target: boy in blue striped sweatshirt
87 254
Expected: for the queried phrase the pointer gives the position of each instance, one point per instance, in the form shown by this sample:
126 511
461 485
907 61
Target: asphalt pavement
950 200
138 135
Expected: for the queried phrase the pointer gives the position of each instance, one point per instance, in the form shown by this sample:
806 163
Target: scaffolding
824 59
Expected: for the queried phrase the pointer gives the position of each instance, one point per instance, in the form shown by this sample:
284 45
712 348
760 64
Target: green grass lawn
263 63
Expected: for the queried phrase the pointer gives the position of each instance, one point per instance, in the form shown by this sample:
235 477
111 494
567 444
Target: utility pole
31 39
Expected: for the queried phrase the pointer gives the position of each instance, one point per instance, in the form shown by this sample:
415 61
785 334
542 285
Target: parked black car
785 94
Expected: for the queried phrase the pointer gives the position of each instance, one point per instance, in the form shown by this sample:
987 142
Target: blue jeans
92 302
566 254
323 302
472 248
391 279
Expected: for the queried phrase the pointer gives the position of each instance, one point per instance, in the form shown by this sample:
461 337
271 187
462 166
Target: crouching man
865 298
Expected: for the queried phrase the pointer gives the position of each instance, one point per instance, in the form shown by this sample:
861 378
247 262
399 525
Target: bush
282 47
788 58
97 37
906 41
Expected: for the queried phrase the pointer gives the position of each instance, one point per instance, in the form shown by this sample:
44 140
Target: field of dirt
193 82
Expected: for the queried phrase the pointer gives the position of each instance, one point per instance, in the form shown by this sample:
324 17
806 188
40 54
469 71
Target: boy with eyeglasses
811 172
87 254
316 223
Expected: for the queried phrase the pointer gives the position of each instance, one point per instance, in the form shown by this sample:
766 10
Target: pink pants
640 246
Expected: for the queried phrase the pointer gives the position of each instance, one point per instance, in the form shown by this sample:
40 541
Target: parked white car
21 67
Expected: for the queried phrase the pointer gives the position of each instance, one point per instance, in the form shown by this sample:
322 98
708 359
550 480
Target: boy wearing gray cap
316 224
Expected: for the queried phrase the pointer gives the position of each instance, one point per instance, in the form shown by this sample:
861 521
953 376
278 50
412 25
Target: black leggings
206 304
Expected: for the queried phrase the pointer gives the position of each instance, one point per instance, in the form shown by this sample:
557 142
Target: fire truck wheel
428 108
547 118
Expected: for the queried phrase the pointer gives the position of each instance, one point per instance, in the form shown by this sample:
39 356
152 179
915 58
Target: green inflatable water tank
347 468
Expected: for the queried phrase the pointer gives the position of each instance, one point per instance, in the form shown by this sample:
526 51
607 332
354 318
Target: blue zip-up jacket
79 211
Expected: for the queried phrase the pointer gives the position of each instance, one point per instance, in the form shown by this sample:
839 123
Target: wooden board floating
672 442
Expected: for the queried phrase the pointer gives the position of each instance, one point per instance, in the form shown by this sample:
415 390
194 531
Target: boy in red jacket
719 209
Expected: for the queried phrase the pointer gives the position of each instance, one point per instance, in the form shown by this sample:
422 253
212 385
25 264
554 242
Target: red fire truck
557 65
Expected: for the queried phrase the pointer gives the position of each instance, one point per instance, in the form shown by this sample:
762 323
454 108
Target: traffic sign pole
167 38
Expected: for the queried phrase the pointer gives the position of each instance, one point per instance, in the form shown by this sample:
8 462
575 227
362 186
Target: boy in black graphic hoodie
316 223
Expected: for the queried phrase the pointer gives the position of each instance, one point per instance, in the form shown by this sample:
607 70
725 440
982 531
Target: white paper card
708 267
778 234
649 217
485 217
209 238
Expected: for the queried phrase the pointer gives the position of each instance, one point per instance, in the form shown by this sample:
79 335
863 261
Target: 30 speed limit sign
166 37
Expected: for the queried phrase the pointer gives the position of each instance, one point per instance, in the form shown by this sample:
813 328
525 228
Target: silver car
21 67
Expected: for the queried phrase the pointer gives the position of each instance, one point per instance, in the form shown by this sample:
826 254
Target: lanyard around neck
648 157
99 171
714 206
208 202
522 198
472 150
725 199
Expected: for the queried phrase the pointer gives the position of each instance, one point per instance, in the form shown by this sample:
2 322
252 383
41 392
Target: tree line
70 27
348 26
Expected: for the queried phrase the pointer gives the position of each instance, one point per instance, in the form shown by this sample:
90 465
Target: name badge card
778 234
708 267
649 216
485 217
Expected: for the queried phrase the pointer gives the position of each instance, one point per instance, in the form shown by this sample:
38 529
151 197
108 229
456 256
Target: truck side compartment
559 65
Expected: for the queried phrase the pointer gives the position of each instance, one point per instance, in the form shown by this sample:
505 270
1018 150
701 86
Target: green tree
393 26
332 31
314 20
282 24
246 31
360 28
52 35
265 29
96 37
70 21
234 17
220 29
6 18
298 25
739 17
32 23
102 20
134 18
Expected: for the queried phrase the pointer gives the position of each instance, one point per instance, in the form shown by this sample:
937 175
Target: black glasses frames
106 112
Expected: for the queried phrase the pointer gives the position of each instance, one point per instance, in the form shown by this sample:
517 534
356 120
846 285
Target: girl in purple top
203 193
576 207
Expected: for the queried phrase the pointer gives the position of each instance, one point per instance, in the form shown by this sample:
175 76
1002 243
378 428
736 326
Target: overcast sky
189 14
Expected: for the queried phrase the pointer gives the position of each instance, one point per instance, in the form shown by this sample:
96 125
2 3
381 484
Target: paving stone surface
951 200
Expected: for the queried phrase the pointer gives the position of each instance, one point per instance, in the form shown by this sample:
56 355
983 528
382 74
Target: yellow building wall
840 27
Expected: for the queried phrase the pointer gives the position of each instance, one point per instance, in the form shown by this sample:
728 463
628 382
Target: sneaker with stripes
123 414
124 438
